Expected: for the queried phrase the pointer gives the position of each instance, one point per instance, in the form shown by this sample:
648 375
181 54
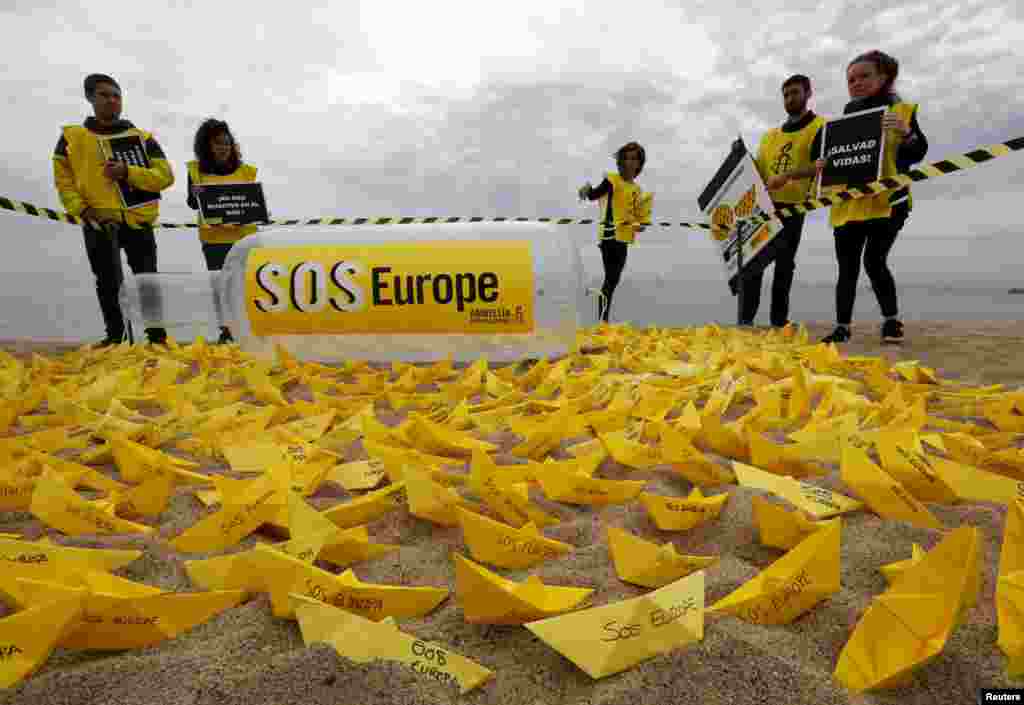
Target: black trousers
872 239
103 248
784 248
215 253
613 256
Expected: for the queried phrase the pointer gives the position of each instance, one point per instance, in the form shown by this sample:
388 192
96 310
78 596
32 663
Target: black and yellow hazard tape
949 165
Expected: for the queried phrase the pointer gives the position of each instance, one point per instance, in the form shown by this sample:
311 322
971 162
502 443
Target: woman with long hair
218 160
867 227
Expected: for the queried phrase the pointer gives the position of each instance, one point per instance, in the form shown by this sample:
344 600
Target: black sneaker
107 342
225 337
840 335
892 331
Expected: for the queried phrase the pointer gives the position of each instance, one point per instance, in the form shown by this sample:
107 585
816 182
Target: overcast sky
485 108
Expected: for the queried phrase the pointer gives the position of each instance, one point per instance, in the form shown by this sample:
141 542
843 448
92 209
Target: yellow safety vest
223 234
628 202
86 159
781 152
872 207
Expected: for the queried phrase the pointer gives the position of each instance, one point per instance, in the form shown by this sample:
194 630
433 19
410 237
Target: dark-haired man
786 164
88 183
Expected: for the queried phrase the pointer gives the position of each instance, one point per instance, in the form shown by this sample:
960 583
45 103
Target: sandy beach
247 656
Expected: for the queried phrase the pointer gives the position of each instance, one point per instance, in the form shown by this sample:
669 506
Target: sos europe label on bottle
411 287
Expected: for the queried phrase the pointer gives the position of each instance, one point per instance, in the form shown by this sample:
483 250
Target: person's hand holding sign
776 182
892 121
115 170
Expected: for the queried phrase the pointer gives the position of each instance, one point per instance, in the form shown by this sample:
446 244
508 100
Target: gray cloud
371 109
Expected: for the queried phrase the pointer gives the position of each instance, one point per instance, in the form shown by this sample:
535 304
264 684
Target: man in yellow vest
88 181
786 164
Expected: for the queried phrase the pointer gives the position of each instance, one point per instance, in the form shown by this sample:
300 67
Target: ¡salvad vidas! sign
853 149
418 287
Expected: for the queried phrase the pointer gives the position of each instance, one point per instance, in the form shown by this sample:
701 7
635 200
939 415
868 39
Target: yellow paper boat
683 513
120 614
647 564
545 437
487 598
885 496
136 463
369 506
258 502
1010 590
781 459
780 528
790 586
40 560
358 475
629 452
893 571
60 507
609 639
687 461
432 501
371 600
580 489
28 637
910 623
352 546
902 456
87 477
504 546
365 641
511 501
435 439
819 502
395 459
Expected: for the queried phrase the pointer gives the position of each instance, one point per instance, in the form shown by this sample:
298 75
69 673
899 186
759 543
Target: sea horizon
70 312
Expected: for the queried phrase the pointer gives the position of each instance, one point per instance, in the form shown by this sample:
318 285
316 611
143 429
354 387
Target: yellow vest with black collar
86 160
223 234
627 203
782 152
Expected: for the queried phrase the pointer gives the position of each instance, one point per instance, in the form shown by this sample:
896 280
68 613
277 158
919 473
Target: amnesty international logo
783 162
723 219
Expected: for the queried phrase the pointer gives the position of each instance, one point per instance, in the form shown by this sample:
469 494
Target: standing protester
87 183
786 164
869 226
623 205
218 160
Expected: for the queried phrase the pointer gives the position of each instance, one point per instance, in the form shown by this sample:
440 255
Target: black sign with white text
852 147
131 150
233 204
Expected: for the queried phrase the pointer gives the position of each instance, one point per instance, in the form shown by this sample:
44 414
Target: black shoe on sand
107 342
840 335
892 332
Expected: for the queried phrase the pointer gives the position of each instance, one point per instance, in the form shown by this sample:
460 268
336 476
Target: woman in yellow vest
623 205
868 226
218 160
